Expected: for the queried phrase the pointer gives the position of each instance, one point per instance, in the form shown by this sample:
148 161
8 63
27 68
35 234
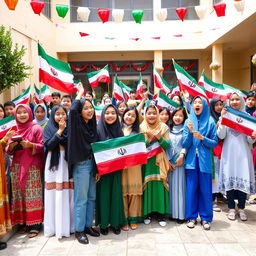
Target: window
47 8
173 4
127 5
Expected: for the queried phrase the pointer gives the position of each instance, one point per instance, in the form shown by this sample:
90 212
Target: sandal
33 233
232 214
125 228
206 225
191 223
22 229
133 226
242 215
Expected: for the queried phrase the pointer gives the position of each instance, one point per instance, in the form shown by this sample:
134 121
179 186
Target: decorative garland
122 68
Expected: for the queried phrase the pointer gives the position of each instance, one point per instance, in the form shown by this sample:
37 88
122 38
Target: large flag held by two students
119 153
101 75
55 73
239 121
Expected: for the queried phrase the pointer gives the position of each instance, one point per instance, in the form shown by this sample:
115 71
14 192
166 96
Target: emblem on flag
122 151
54 72
239 120
214 90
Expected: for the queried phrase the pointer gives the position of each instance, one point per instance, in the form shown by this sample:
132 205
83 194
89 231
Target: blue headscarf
45 119
200 122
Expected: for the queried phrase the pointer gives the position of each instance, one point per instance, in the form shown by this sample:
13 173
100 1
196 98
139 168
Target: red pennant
103 14
37 6
83 34
135 39
181 12
11 4
220 9
156 37
178 35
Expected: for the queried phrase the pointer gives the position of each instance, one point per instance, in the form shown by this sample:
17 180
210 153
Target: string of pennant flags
118 14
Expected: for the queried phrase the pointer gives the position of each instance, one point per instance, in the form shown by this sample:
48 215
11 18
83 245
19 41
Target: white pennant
83 13
201 11
161 15
239 5
118 15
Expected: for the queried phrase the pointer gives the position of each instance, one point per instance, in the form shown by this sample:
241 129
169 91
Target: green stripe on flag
24 93
93 73
168 100
60 65
117 142
7 120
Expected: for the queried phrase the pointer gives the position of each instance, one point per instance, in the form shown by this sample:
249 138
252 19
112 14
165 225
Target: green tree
12 69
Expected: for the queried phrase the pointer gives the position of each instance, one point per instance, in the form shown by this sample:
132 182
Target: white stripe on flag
103 72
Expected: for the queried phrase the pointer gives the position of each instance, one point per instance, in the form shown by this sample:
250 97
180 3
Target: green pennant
62 10
137 15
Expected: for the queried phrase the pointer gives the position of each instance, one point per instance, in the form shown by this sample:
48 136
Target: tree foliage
12 69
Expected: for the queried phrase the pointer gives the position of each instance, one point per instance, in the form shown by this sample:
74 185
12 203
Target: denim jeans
84 194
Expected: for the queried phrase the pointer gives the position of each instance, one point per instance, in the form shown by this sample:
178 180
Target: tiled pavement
226 238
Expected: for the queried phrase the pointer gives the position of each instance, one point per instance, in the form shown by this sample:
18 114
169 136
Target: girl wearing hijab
82 131
131 176
154 173
236 164
40 114
26 172
199 137
216 105
176 177
58 205
109 205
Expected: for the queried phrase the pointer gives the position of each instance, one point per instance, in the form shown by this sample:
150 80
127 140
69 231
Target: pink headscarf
24 157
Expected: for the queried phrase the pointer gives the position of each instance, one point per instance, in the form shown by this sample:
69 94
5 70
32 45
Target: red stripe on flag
121 163
154 152
55 83
102 79
236 126
212 95
3 133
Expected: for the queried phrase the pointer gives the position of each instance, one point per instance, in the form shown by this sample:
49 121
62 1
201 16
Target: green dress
155 192
109 203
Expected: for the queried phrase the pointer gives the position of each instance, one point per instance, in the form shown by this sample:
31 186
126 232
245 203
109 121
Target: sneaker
162 223
147 220
216 208
232 214
242 215
191 223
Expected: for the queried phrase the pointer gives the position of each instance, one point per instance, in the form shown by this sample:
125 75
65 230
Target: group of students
53 177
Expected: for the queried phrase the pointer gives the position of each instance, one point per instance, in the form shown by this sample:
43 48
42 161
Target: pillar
158 64
217 55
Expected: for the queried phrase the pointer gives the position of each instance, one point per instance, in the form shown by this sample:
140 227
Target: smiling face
107 101
22 115
66 102
87 111
121 108
110 115
218 107
60 115
9 110
198 106
151 116
130 117
40 113
250 102
164 116
235 102
176 99
178 118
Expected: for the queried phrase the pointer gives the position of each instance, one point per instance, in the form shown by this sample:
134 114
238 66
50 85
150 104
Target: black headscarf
109 131
80 134
50 131
213 113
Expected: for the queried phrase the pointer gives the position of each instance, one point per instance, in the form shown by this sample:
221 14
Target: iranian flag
154 148
140 88
6 124
43 94
126 91
118 92
23 98
101 75
175 89
161 83
119 153
98 110
165 101
213 90
229 90
55 73
188 83
239 121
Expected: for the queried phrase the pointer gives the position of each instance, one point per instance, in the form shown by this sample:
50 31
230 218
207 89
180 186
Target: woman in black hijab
109 206
58 188
81 133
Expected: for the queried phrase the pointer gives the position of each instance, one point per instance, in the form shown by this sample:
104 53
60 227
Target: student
27 204
109 205
40 114
216 106
121 107
250 103
5 218
58 193
56 99
9 108
66 101
2 112
165 115
176 177
199 137
82 131
89 96
177 98
131 176
236 165
154 173
107 101
132 102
